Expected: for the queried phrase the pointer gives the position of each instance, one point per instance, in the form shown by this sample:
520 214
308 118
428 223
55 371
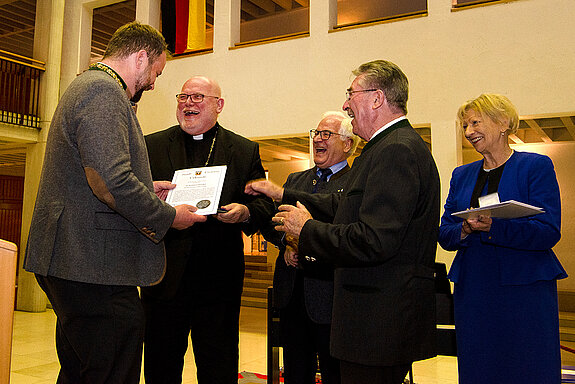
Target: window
17 23
268 19
105 21
469 3
352 12
188 25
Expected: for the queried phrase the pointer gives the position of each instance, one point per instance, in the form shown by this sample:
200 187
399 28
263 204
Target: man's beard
138 95
140 87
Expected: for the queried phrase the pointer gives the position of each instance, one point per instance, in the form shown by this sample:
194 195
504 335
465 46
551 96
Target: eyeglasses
324 135
349 94
196 97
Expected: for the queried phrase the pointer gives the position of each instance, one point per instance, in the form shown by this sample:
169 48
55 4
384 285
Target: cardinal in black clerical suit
200 295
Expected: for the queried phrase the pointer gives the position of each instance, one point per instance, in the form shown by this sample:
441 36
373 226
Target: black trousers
99 331
352 373
304 342
212 327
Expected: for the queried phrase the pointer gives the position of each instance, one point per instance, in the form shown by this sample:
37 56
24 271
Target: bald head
196 117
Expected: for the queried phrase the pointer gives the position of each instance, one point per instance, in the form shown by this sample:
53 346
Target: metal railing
19 89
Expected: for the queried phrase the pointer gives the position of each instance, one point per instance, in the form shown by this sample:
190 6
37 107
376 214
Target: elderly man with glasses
303 289
200 295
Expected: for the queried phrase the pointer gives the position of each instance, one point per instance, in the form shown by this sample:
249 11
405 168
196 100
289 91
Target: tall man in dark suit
305 295
97 226
383 237
200 295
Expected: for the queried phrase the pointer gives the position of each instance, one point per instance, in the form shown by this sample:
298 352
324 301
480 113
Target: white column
226 24
148 12
47 48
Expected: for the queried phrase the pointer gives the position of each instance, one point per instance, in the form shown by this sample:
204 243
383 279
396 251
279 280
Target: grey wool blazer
97 219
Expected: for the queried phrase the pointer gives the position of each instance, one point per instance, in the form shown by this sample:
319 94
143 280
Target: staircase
567 335
258 277
567 326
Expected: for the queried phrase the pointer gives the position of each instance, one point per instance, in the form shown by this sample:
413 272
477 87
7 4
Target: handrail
7 55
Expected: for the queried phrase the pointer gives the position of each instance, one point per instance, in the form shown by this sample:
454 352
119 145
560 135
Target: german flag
184 24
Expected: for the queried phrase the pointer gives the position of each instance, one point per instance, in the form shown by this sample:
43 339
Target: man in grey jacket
98 221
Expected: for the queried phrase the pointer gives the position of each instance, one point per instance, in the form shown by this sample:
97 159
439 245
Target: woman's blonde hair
497 108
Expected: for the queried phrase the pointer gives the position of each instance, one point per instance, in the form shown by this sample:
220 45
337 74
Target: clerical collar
197 141
388 125
99 66
209 134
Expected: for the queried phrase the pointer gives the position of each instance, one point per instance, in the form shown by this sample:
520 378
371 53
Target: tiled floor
34 359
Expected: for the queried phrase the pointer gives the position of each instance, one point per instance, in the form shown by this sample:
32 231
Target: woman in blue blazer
505 273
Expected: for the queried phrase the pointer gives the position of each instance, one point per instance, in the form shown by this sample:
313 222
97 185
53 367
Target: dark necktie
323 175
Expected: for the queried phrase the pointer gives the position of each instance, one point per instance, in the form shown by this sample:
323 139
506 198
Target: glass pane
17 22
361 11
264 19
105 22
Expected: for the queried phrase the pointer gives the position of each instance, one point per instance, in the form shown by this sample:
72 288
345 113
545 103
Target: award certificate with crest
200 187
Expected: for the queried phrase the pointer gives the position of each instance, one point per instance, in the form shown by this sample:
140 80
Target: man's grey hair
345 129
388 77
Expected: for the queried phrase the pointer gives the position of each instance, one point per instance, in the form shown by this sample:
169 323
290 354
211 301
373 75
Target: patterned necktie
323 175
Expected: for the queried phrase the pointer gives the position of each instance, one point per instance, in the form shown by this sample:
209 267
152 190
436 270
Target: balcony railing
19 89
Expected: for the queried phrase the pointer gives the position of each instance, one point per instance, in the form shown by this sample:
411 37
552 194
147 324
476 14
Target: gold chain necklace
211 148
99 66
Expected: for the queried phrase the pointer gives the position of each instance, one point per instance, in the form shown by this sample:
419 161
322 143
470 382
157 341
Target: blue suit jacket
523 244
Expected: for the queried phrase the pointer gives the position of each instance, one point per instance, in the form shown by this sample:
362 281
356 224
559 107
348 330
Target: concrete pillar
47 48
148 12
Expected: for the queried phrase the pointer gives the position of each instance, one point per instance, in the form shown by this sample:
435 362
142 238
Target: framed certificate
200 187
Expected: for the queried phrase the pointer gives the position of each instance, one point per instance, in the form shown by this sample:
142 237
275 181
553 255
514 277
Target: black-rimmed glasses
324 135
349 94
196 97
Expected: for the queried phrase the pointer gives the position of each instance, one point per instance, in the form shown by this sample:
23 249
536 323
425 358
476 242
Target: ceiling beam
292 153
266 5
6 2
515 139
270 155
285 4
250 9
533 125
303 3
568 122
19 32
